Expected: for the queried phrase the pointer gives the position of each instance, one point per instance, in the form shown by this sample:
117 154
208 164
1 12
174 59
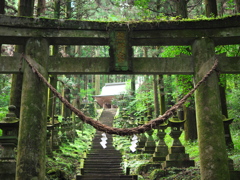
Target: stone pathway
104 164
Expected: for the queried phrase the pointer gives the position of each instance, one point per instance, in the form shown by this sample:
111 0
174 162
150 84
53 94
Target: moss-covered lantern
9 138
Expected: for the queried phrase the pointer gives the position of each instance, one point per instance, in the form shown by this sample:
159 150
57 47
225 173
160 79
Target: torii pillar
212 146
33 115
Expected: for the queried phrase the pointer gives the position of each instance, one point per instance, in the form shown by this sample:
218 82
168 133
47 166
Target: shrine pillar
33 114
212 146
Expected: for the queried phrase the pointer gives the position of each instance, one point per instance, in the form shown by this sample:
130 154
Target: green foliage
4 90
173 51
66 163
231 81
230 50
157 174
235 153
191 173
3 112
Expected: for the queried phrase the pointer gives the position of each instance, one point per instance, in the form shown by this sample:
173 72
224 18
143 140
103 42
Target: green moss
157 174
158 23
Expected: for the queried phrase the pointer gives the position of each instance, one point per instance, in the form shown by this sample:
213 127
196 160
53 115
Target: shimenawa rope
120 131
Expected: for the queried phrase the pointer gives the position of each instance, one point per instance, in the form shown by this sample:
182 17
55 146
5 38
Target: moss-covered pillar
212 147
33 115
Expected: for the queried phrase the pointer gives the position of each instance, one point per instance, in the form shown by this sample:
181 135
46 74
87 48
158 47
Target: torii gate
37 34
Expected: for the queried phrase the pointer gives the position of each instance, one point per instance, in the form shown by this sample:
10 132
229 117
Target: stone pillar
212 147
33 114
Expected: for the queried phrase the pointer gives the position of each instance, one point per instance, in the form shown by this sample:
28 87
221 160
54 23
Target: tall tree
41 7
237 6
156 99
68 9
25 7
57 8
2 6
181 8
133 85
211 8
162 95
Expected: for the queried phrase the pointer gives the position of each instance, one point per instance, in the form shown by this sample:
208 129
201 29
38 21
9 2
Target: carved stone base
7 170
159 154
177 158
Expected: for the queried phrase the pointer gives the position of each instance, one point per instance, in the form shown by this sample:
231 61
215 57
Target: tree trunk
2 6
212 146
51 96
211 8
41 7
162 95
53 78
133 86
25 7
77 89
65 111
97 84
156 99
190 126
181 8
222 88
68 9
56 8
237 6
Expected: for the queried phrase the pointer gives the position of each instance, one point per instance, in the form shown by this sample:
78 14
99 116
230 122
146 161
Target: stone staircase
104 164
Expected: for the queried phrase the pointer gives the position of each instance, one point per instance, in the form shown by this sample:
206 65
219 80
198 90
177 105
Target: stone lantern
161 150
228 138
177 156
8 140
49 140
64 125
56 139
9 126
143 138
150 144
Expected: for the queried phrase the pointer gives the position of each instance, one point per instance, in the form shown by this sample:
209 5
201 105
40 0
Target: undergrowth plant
65 163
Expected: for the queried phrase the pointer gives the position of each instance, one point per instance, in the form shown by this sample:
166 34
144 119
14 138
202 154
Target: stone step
105 158
106 177
101 161
100 148
102 170
107 154
109 145
102 165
